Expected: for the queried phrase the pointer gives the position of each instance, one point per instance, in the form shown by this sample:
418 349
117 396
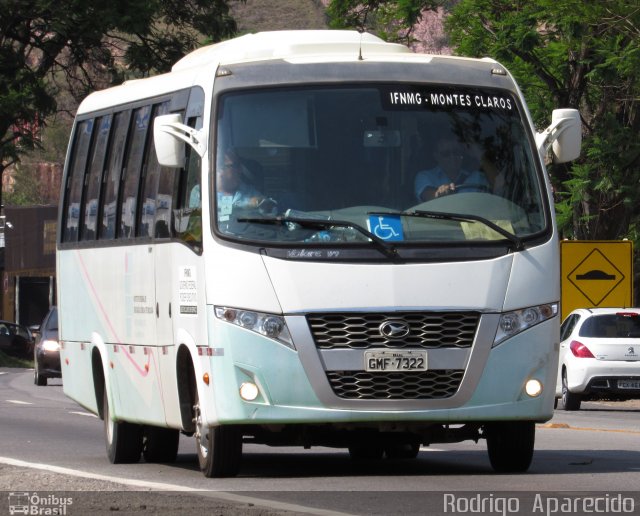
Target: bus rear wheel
510 445
123 440
219 448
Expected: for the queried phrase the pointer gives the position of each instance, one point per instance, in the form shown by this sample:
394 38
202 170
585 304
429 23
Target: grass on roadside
10 361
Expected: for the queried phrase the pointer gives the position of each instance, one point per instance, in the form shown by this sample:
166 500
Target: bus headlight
269 325
512 323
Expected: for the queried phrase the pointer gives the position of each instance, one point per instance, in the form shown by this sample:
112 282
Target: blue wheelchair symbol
386 227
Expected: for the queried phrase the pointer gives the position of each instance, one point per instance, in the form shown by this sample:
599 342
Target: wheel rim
201 433
565 389
108 427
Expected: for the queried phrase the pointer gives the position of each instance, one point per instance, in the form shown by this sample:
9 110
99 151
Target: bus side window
188 216
94 179
111 179
152 218
131 180
187 213
75 180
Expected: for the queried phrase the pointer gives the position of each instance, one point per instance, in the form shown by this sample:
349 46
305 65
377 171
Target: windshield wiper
386 249
517 242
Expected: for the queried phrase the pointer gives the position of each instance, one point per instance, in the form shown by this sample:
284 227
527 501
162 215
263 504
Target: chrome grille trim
427 330
473 361
424 385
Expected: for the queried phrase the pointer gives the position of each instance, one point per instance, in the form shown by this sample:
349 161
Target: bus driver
232 190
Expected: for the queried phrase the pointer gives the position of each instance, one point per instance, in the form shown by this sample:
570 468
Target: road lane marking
87 414
161 486
564 426
18 402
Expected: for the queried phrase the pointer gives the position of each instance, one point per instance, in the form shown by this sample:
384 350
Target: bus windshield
407 164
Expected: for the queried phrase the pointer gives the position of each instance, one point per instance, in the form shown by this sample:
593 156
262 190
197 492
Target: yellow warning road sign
596 273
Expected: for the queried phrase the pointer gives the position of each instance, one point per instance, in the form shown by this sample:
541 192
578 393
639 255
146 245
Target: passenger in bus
448 176
232 191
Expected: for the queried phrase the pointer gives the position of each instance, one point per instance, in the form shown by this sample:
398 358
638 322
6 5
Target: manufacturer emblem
394 329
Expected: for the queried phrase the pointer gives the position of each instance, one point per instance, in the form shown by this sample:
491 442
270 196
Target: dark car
15 339
46 359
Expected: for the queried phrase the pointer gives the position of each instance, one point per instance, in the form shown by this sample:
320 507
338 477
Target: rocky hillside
263 15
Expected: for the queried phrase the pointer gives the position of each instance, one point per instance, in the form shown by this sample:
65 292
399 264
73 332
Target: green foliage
585 55
10 361
83 45
26 190
563 53
392 20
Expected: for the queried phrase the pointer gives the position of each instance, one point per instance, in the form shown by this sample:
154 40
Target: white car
599 356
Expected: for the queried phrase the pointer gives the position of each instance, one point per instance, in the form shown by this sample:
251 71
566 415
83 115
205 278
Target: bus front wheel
123 440
219 448
510 445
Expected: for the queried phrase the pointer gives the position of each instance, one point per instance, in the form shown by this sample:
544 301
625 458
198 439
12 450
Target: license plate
395 360
629 384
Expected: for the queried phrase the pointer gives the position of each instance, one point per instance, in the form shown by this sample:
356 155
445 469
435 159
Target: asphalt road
50 447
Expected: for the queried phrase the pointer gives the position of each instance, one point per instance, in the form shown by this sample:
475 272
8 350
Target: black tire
160 444
510 445
402 451
570 400
366 452
123 440
219 448
38 379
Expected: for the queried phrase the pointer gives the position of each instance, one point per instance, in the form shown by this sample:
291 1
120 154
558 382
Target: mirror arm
545 139
194 137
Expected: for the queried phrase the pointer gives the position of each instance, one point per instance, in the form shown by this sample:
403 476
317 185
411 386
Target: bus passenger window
152 221
77 170
112 176
92 196
131 181
188 213
189 218
165 200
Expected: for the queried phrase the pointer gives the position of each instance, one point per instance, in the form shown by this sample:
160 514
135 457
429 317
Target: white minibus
312 238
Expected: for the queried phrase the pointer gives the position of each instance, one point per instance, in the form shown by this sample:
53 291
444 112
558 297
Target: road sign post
596 273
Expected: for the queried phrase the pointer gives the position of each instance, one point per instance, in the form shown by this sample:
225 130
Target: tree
82 45
584 55
392 20
563 53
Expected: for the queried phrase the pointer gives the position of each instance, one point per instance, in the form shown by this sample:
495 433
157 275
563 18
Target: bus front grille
428 330
422 385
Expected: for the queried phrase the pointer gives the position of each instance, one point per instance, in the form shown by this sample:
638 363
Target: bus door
179 276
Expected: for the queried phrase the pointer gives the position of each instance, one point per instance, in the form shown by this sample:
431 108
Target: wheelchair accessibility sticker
386 227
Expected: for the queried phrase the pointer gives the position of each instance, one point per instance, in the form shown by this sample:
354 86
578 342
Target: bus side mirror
564 135
169 149
170 135
566 146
